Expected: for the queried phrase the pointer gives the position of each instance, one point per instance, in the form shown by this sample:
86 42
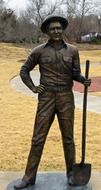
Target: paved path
94 102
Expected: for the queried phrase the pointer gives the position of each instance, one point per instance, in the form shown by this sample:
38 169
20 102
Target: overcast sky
19 5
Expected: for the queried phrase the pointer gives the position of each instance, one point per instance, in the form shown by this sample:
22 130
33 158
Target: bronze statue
58 65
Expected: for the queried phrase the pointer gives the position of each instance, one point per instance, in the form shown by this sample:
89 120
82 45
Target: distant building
90 36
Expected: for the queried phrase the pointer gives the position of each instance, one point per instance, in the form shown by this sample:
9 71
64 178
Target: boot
70 179
23 184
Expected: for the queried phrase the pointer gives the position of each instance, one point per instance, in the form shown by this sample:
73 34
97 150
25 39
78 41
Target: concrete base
8 179
51 181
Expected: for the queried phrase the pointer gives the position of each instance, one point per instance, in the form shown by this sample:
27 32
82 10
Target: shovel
82 171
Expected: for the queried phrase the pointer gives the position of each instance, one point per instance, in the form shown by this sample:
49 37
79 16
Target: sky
17 5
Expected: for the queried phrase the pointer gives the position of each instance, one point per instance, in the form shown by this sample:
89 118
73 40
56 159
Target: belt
58 88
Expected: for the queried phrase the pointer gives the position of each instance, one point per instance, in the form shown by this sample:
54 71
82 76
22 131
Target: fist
87 82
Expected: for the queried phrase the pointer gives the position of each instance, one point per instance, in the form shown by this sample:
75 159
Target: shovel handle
87 69
84 113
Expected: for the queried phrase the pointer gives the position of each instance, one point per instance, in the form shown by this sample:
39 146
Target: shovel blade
81 174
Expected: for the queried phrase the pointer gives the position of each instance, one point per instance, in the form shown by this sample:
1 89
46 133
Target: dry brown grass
94 56
16 123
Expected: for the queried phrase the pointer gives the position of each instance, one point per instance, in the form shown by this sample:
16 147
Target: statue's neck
56 43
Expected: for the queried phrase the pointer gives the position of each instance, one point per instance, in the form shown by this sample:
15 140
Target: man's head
54 26
55 30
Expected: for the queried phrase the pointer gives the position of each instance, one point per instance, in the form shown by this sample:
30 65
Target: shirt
58 66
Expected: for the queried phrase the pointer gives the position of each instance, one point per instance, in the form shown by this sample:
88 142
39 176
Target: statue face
55 31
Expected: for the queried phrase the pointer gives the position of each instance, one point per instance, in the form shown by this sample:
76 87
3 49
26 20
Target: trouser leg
66 126
42 125
65 113
43 121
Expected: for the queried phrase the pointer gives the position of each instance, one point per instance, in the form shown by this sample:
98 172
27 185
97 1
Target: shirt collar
48 43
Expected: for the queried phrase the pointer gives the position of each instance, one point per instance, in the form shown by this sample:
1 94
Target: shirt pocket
45 59
67 62
67 59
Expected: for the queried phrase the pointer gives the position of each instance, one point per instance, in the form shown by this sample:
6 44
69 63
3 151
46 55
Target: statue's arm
77 76
29 65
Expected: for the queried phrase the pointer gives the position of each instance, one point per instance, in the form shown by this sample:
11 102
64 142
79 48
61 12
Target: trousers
49 104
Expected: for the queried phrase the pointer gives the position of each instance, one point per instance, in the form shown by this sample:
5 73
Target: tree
37 11
77 12
7 24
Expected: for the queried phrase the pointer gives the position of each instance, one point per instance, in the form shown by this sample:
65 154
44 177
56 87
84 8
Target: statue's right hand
39 89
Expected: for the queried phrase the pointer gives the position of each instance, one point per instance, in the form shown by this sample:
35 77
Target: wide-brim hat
53 18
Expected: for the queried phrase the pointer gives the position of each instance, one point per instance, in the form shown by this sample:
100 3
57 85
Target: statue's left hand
87 82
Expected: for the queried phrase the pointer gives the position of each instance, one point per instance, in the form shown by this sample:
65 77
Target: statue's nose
56 31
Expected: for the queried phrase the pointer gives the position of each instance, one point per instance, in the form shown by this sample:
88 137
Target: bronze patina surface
58 66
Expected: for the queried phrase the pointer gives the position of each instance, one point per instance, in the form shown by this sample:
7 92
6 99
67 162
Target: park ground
17 114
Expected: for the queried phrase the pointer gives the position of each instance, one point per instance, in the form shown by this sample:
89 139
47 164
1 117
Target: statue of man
58 65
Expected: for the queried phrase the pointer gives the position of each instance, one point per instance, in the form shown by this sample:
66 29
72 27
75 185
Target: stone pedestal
51 181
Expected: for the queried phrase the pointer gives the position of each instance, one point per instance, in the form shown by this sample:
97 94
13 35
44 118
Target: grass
94 56
17 115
